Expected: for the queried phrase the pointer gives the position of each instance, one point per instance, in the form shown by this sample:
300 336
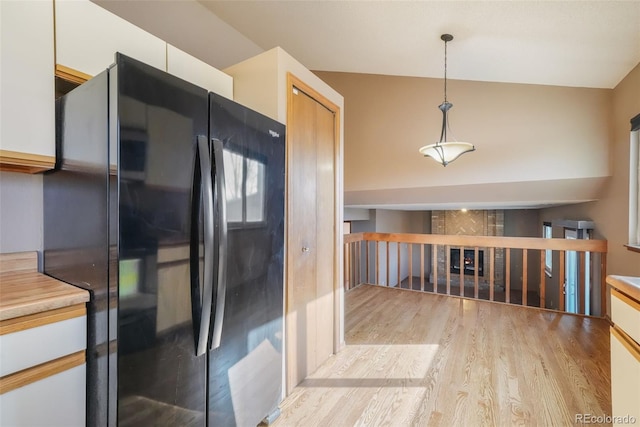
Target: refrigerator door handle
221 195
207 201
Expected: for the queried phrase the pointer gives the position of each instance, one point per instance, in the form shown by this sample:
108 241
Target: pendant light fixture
446 151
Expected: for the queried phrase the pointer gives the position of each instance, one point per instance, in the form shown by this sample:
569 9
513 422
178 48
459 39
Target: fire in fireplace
469 261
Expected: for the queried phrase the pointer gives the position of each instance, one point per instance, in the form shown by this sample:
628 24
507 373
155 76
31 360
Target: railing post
434 267
366 250
581 283
388 273
377 262
410 255
603 284
476 273
447 256
422 267
561 280
543 279
507 276
492 266
398 265
525 276
461 271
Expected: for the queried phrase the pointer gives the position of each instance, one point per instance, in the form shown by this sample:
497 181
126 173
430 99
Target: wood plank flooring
417 359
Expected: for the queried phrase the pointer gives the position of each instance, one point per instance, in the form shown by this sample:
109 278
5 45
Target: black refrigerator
167 205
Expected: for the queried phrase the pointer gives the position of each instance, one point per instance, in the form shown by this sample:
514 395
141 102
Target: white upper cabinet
187 67
27 126
87 37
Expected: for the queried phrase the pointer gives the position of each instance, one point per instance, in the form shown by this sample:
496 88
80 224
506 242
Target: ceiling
562 43
565 43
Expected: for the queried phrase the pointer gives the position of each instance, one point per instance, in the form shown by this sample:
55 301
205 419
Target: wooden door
311 246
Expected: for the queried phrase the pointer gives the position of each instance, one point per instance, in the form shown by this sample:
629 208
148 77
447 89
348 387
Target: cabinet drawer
625 314
32 340
57 400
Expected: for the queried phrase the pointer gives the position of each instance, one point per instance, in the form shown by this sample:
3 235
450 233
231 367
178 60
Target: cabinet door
191 69
88 36
27 127
625 377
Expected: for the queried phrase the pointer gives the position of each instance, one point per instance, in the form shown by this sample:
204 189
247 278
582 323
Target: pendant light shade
446 151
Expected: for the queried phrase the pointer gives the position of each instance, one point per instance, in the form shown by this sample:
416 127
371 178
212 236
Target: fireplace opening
469 262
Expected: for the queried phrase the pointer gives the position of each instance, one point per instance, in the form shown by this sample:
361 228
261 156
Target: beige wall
521 132
611 213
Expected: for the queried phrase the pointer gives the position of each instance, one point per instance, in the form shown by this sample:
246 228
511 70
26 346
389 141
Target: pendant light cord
445 71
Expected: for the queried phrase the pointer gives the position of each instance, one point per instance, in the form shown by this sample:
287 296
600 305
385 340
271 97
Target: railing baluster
410 255
561 281
525 276
366 253
388 272
447 256
603 286
345 273
543 280
422 267
359 262
492 266
581 283
476 269
377 263
398 265
461 264
434 267
507 276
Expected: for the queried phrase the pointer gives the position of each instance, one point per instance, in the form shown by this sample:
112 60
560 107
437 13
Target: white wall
20 212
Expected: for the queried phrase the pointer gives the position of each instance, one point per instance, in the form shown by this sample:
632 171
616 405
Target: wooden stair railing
368 259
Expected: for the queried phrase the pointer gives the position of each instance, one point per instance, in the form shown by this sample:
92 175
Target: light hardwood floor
417 359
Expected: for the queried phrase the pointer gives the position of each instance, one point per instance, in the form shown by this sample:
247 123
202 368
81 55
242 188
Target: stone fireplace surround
470 223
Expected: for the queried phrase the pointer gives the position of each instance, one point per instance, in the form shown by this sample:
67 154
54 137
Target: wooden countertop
24 291
629 285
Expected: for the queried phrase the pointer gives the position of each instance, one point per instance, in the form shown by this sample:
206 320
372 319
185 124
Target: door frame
338 295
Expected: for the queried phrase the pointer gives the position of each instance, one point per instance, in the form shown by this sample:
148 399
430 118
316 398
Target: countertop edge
628 285
26 293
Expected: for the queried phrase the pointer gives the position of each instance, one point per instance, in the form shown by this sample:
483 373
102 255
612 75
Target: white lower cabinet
625 379
58 400
42 368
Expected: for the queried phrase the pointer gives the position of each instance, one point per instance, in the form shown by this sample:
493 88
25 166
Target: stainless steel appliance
167 204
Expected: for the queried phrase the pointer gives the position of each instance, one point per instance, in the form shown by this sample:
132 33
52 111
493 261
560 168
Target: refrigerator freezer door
161 380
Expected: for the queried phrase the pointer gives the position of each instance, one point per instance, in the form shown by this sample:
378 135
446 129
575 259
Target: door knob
305 249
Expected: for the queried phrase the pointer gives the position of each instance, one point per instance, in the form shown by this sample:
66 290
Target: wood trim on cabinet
626 341
16 161
40 319
71 75
40 372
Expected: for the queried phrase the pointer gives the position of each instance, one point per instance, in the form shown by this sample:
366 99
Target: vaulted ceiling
565 43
